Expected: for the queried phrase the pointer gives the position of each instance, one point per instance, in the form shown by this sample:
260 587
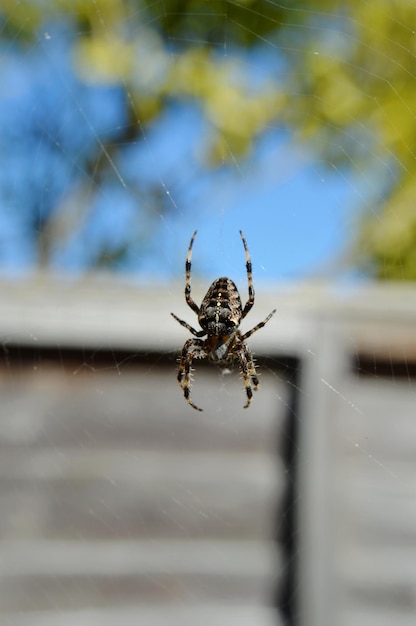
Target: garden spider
219 316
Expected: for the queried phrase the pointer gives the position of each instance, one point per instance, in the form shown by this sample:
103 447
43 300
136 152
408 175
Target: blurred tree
357 89
348 87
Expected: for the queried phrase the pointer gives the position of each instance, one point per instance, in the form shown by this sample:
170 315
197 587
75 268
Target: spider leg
188 297
192 349
248 370
197 333
250 301
257 326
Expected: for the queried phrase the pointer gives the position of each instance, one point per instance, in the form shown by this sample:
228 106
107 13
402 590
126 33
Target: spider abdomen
221 310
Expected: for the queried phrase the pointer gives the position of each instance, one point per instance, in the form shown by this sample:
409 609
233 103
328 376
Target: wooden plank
241 614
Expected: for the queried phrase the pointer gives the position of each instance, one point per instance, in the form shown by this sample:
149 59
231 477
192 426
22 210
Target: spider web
132 213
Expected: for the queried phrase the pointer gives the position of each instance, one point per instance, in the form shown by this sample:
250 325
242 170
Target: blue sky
297 214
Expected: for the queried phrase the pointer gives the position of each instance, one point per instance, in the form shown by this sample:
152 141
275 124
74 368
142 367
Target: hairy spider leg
193 348
257 326
248 370
249 268
197 333
188 297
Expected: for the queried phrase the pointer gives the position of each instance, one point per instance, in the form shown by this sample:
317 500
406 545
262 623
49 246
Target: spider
219 316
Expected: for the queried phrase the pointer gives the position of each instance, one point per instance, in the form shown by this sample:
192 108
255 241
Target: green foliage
217 23
165 50
358 91
387 242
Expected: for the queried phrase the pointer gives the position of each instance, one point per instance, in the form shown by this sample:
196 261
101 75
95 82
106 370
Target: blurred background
124 126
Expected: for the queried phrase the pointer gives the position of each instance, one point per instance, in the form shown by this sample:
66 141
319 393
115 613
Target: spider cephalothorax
219 316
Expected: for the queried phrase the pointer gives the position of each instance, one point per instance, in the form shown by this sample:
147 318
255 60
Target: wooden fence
120 504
